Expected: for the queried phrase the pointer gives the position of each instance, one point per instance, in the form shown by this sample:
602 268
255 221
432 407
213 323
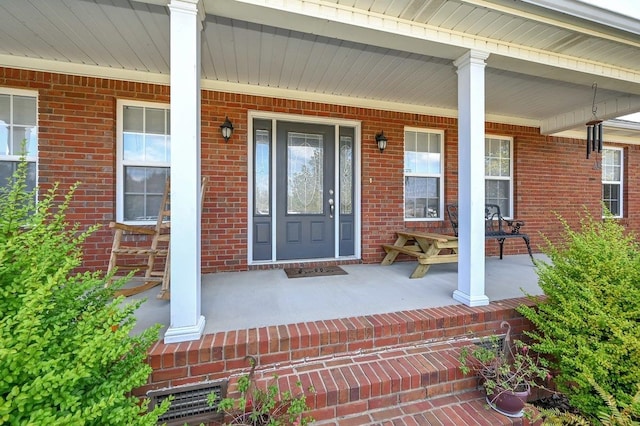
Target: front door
305 193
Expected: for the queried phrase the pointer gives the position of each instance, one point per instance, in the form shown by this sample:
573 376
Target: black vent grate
189 402
496 343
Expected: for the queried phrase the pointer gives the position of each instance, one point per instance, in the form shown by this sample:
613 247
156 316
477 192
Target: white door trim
275 117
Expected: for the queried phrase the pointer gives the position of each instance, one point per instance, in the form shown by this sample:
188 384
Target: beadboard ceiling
387 54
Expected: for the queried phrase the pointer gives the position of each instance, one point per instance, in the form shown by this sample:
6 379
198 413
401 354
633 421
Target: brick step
358 383
356 364
467 408
216 356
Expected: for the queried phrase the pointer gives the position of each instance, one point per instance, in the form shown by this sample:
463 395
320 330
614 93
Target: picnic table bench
425 247
496 226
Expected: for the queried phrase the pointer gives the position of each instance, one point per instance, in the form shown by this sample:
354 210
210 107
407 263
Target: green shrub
589 322
66 353
614 416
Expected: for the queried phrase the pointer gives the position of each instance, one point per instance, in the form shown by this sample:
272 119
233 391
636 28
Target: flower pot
508 402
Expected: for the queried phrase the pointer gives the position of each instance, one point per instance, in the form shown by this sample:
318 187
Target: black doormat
318 271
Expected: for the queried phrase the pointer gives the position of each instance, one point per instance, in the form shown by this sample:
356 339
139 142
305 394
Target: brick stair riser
462 409
351 384
221 355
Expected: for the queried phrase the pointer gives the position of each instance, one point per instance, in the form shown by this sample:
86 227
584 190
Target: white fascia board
356 102
608 137
70 68
623 124
156 2
606 110
592 13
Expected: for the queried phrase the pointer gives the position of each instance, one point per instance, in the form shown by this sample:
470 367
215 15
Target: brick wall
77 122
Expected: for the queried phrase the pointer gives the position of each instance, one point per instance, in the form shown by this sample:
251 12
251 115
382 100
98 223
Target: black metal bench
495 226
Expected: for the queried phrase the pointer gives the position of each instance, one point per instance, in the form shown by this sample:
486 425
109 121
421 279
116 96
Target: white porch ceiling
386 54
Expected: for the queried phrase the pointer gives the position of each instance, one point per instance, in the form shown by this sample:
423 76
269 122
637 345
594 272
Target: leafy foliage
612 417
589 321
261 407
504 366
66 353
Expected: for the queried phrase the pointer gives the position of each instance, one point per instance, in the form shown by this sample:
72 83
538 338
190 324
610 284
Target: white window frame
620 182
121 164
440 176
501 178
32 157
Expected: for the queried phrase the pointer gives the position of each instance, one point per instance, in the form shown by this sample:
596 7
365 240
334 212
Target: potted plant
256 406
507 370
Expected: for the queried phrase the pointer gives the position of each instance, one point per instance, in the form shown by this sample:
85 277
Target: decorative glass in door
305 162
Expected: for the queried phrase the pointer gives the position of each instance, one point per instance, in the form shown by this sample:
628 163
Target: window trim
30 158
120 104
620 182
510 178
441 175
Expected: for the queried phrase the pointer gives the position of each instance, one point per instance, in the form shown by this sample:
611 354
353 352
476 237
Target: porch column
187 322
471 198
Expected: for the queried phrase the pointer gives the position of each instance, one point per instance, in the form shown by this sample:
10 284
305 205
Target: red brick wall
77 122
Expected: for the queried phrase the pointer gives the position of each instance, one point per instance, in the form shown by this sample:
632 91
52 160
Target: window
18 134
423 174
144 158
612 180
498 170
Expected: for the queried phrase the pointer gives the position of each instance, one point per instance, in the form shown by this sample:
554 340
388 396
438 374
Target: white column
471 199
187 322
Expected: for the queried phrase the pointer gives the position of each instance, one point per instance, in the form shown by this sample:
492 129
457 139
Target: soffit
337 51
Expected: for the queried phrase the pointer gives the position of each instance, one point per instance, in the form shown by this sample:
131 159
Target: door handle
331 208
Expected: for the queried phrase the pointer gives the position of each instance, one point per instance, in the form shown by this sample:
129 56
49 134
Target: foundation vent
496 343
189 404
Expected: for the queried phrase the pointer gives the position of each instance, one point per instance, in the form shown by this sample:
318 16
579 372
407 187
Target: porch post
471 197
187 322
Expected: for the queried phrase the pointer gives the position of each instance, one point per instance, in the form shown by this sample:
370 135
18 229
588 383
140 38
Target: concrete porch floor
250 299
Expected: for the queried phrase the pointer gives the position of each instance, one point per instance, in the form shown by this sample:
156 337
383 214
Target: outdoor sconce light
381 141
227 129
594 128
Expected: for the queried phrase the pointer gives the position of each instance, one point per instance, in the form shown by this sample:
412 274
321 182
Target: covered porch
376 346
263 298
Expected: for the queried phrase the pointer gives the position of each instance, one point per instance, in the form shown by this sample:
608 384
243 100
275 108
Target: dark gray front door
305 192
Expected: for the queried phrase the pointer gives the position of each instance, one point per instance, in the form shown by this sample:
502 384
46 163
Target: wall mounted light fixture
594 127
227 129
381 141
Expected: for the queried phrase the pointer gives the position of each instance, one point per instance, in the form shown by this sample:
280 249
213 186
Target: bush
589 322
66 353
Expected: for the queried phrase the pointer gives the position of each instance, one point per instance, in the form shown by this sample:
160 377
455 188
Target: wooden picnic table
424 247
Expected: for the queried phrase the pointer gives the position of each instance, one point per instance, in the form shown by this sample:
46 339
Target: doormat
319 271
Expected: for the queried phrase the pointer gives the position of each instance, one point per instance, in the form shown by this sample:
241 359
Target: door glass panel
346 175
305 160
263 170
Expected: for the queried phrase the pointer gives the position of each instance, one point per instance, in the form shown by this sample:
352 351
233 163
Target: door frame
357 186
